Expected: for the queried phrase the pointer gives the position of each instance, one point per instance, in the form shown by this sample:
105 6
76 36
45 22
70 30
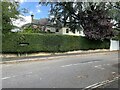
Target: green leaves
9 12
48 43
92 16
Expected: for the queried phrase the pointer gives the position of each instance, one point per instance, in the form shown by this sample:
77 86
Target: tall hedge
11 43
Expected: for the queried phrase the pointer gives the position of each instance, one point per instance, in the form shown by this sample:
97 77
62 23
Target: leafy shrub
12 43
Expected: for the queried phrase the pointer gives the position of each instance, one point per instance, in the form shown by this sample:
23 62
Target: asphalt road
75 71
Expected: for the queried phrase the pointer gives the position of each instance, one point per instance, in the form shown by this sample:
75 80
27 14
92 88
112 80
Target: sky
36 9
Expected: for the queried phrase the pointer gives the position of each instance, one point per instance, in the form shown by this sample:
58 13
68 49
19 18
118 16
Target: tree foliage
9 12
91 16
114 12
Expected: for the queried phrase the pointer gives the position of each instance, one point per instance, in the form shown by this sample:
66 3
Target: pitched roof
42 21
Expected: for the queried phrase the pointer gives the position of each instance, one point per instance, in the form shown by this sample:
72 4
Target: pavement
87 71
39 57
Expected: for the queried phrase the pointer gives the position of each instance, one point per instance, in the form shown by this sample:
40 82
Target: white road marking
67 65
101 83
5 78
89 62
96 85
75 64
29 73
99 67
40 78
108 64
91 85
71 65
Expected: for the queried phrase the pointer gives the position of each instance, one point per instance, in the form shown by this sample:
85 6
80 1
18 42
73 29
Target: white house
53 29
67 31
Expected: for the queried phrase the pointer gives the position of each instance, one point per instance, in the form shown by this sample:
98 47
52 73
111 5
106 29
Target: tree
114 12
91 16
9 12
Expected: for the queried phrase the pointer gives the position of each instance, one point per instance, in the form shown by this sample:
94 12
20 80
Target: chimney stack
32 18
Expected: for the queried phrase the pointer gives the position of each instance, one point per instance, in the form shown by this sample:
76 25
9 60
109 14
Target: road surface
75 71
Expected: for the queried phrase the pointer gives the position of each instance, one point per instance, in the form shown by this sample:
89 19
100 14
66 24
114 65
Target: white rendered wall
114 45
63 32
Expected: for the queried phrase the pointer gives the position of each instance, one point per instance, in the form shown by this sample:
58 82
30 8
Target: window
67 30
57 30
79 32
48 30
74 31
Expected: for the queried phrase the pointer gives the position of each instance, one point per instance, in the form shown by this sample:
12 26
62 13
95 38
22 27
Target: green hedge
48 43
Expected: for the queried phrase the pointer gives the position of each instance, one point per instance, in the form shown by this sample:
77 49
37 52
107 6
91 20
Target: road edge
49 57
